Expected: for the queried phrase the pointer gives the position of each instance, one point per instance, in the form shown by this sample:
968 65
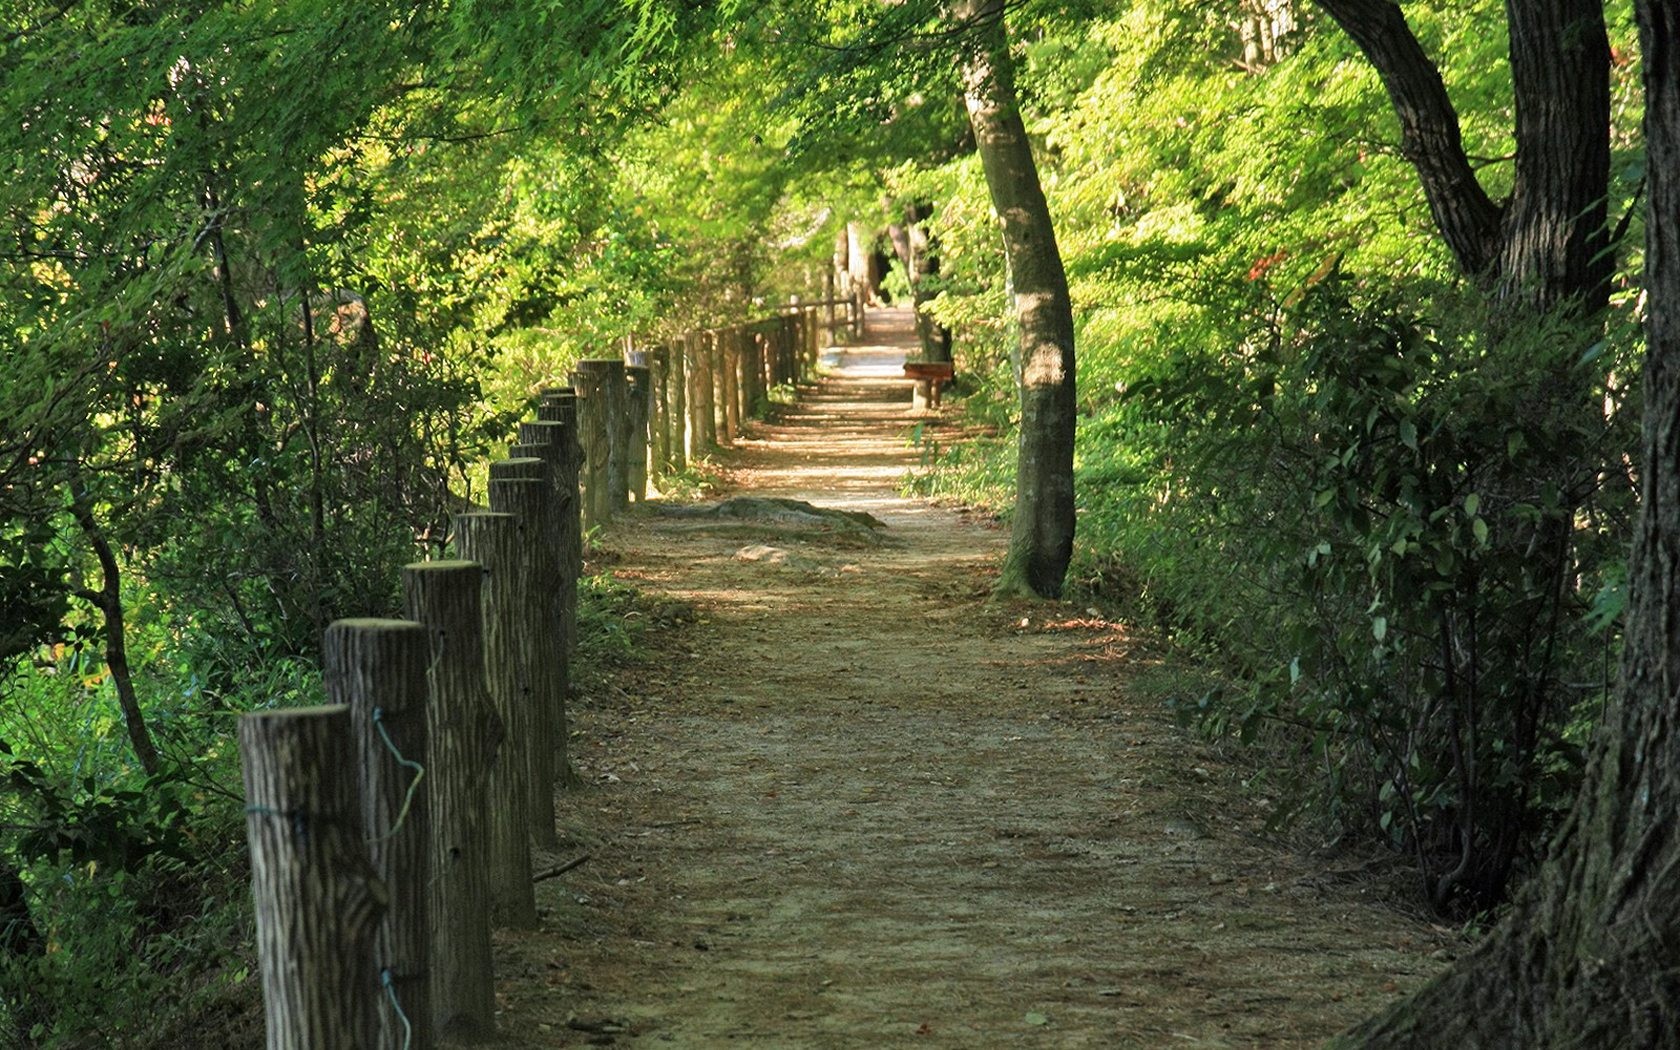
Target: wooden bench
930 377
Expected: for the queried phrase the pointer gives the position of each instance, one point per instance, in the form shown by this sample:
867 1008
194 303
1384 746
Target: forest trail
844 804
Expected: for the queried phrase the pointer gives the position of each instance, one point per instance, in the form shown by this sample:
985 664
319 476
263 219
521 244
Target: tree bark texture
707 354
377 668
621 424
594 433
496 541
1546 245
1041 532
752 372
1586 957
317 899
446 596
608 426
534 503
729 354
639 393
571 525
658 363
679 381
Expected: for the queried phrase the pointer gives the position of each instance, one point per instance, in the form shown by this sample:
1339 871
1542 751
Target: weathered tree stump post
796 345
614 423
618 449
693 367
639 395
777 358
828 301
446 596
377 668
813 345
318 902
732 383
532 499
708 389
790 347
496 541
594 407
771 365
752 371
679 380
571 526
714 388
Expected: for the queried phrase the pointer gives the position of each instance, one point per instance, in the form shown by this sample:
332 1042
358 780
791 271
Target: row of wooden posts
390 831
686 398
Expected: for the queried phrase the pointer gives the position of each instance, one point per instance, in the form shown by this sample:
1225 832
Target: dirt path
848 806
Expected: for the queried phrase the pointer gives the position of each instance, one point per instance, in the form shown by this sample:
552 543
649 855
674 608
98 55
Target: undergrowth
125 912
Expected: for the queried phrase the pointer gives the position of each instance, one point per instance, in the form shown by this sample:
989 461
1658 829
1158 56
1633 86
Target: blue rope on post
407 763
390 985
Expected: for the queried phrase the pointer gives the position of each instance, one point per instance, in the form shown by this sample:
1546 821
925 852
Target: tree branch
1430 136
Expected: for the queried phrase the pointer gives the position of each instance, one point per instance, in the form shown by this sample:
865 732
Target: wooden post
317 900
497 542
678 381
708 388
532 499
639 402
715 387
828 301
377 668
620 423
796 333
752 370
734 416
594 405
613 423
723 391
561 407
772 371
813 346
571 526
784 351
693 355
446 596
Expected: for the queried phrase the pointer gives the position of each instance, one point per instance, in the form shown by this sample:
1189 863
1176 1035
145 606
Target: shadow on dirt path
846 805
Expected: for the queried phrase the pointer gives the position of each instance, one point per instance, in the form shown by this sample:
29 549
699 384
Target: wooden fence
390 831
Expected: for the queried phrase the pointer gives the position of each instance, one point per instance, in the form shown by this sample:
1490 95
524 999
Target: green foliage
1389 514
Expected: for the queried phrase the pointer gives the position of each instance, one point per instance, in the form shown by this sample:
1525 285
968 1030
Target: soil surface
844 803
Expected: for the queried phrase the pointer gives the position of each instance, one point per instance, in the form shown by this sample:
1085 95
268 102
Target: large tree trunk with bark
1587 956
1545 245
1041 535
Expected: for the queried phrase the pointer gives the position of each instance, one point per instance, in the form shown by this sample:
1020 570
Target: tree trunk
1545 250
1586 956
916 251
1546 245
924 263
1041 534
108 599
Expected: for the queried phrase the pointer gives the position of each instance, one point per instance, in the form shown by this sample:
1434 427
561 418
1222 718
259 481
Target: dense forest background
278 275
